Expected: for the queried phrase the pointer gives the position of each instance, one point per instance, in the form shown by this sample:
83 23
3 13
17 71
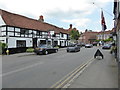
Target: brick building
88 37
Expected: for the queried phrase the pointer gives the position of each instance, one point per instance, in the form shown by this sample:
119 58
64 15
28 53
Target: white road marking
21 69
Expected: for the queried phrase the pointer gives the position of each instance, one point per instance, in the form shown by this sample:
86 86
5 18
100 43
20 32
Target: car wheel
46 52
67 50
37 53
56 51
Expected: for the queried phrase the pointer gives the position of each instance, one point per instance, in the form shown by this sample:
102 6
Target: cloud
78 22
67 11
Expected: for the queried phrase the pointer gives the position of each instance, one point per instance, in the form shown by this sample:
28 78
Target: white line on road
21 69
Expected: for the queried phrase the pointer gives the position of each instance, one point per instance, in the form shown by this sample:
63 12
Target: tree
74 34
107 40
2 47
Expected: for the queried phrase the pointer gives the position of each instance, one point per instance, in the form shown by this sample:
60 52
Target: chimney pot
70 26
41 18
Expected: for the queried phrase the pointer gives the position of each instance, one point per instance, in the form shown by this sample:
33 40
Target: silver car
88 46
73 48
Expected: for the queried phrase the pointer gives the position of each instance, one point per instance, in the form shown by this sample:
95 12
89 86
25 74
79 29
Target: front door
34 42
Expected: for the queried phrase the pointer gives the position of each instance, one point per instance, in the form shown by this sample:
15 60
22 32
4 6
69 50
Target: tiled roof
106 32
25 22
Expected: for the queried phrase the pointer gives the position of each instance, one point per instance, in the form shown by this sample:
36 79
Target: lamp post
7 51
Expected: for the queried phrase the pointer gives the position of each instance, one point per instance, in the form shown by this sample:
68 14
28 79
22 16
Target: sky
82 14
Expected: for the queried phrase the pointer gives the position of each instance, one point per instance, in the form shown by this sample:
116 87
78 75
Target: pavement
99 74
27 53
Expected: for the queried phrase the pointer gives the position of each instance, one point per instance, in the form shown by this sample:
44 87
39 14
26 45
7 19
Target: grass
30 50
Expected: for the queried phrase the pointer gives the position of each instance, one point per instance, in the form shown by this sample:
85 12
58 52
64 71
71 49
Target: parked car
82 44
95 43
106 46
45 49
73 48
88 46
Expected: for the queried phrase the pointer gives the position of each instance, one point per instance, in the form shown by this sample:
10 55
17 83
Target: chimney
70 26
41 18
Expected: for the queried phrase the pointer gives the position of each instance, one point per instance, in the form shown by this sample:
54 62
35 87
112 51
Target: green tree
2 47
74 34
107 40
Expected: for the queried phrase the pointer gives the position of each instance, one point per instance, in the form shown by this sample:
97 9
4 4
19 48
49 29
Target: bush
56 47
30 50
2 47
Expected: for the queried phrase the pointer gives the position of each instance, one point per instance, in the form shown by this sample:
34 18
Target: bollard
7 51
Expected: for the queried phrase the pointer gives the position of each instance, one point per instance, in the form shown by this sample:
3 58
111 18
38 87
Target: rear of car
73 48
88 46
106 46
95 43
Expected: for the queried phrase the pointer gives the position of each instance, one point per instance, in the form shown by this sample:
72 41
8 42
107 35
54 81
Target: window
61 35
17 29
17 33
22 31
21 43
11 29
38 33
3 29
27 32
3 33
30 33
34 33
11 33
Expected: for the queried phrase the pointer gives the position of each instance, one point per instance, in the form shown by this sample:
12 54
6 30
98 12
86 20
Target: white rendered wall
2 21
3 39
12 42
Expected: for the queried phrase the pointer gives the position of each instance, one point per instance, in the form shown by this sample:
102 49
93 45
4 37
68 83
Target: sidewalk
27 53
99 74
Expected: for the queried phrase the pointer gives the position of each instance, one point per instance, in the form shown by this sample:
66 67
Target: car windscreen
71 45
106 45
43 46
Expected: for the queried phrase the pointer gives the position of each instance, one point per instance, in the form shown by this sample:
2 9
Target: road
41 71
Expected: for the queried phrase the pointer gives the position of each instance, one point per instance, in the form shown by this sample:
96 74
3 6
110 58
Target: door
34 42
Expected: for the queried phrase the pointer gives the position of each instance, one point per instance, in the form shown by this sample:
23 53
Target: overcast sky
82 14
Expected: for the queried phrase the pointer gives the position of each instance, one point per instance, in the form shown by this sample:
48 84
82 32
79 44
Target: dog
98 53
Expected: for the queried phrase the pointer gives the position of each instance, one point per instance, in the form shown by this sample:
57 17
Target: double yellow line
65 80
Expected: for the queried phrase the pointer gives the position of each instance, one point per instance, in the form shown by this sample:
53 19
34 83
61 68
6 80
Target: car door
50 48
78 47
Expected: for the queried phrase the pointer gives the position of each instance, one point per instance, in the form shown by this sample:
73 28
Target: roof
106 32
28 23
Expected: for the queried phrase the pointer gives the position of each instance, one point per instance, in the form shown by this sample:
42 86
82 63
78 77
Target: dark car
106 46
73 48
45 49
88 46
95 43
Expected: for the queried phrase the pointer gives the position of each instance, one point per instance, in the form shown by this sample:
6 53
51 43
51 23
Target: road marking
21 69
71 75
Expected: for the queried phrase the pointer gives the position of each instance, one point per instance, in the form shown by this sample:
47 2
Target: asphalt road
41 71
